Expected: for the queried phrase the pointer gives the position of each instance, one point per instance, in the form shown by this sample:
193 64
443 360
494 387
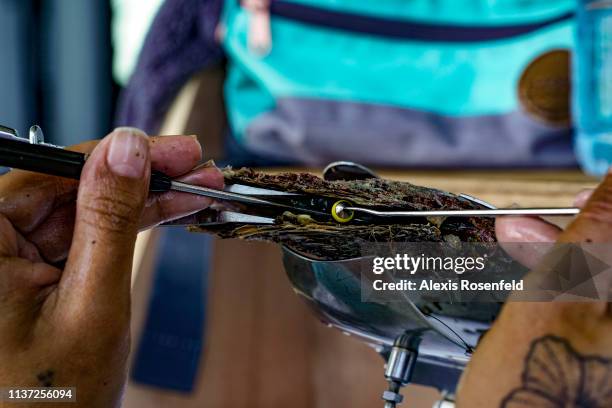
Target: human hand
69 326
42 207
547 354
515 230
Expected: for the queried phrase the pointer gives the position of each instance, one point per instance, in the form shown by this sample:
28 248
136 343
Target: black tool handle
58 162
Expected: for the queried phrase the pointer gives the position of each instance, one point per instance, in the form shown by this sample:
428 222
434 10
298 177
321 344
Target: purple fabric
181 42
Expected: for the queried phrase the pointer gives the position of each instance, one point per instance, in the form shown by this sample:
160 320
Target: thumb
112 191
594 223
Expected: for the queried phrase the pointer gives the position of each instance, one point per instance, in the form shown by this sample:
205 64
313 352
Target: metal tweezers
262 205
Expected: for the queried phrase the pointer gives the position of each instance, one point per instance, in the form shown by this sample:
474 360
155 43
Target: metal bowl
449 332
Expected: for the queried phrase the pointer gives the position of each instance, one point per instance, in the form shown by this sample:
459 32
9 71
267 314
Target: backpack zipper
260 37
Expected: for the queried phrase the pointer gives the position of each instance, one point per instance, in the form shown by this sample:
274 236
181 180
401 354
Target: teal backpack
450 83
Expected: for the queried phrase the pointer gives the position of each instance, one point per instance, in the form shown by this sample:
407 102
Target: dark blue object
56 68
180 42
171 342
411 30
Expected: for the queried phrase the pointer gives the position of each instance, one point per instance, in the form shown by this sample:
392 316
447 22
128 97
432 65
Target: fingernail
127 153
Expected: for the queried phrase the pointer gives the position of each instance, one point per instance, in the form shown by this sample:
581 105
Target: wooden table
504 188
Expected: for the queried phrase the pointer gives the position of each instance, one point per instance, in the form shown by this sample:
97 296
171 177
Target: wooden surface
531 188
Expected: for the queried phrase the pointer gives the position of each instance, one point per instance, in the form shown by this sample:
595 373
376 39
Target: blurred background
64 63
500 99
439 84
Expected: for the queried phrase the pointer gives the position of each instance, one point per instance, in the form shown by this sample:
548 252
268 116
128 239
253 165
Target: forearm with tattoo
555 375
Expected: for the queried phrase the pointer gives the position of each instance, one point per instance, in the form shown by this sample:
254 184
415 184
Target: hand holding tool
34 154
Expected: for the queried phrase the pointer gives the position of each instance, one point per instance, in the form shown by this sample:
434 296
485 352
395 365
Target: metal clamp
35 135
400 366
